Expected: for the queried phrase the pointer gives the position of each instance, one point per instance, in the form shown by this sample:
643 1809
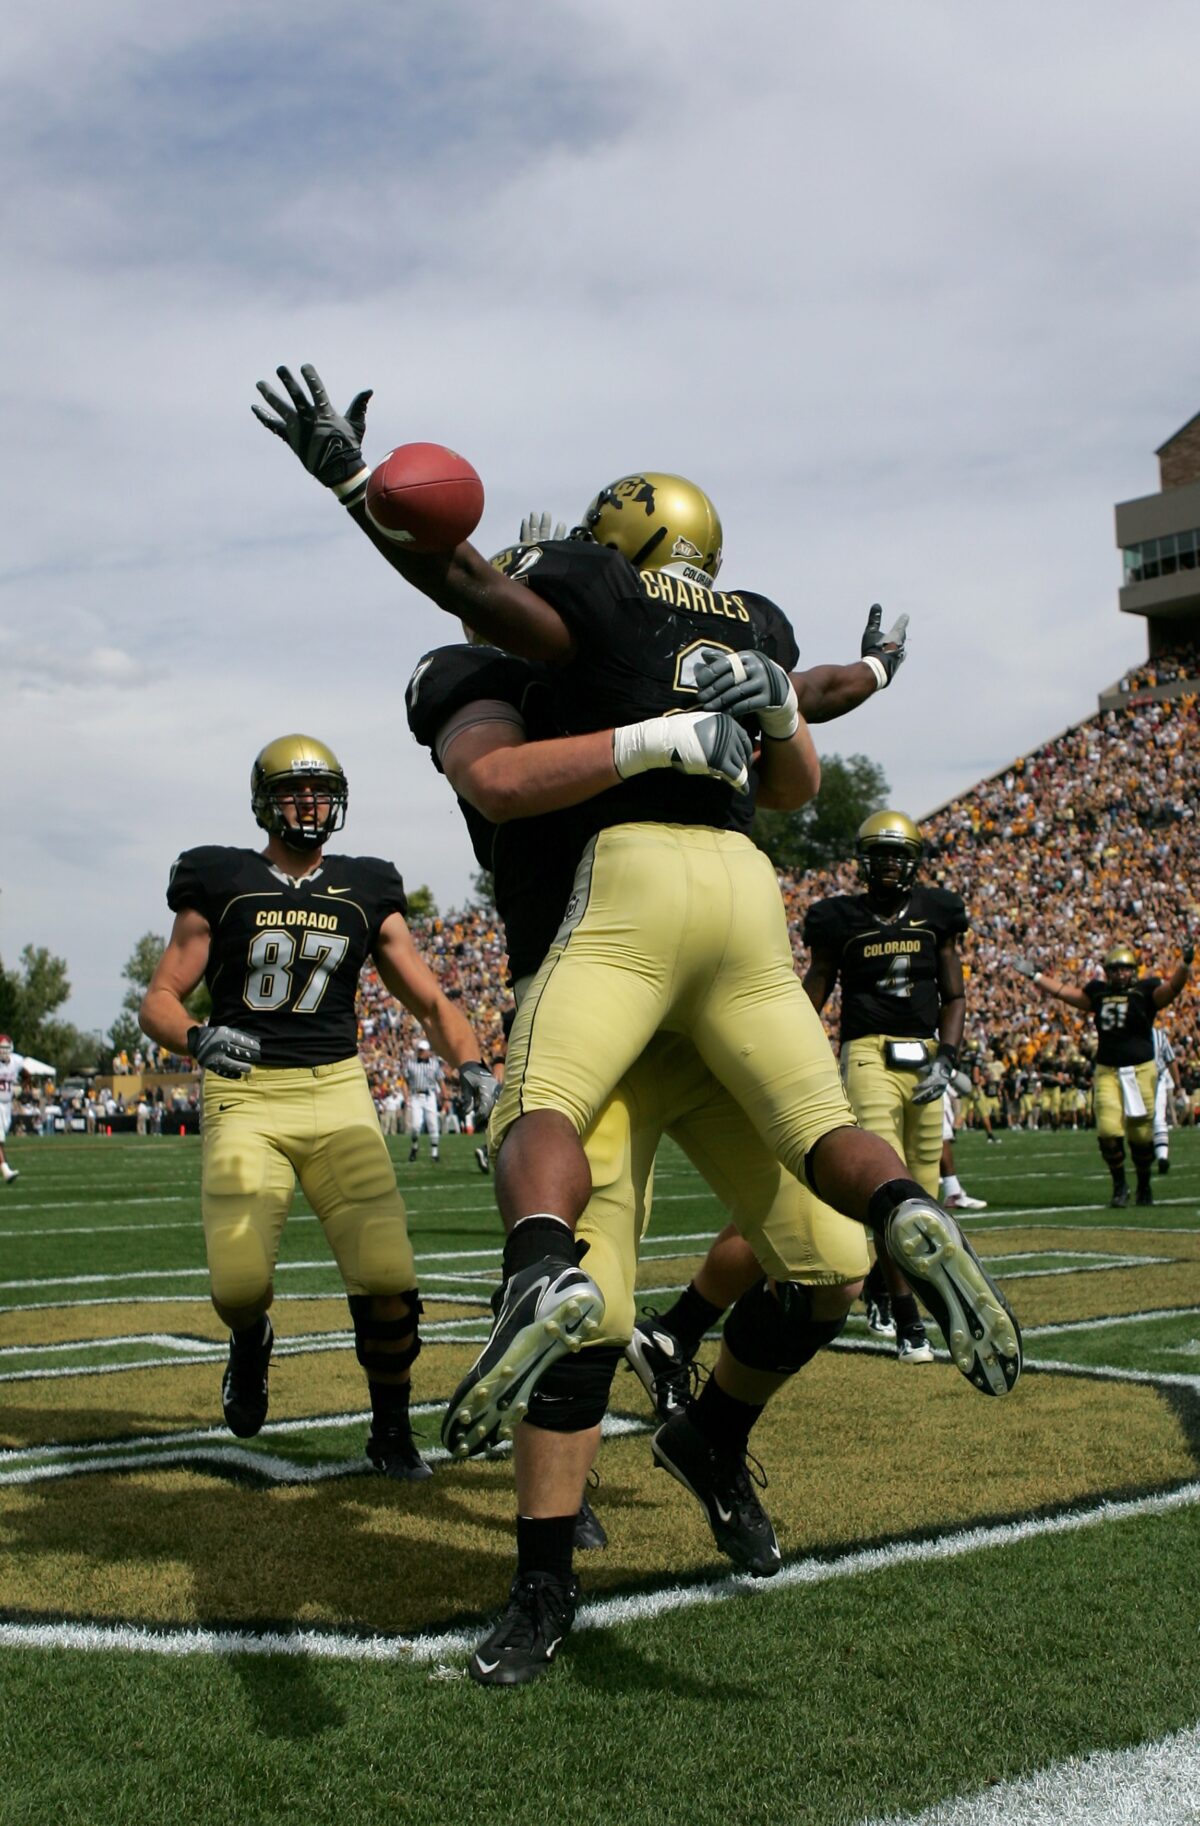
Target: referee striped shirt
423 1075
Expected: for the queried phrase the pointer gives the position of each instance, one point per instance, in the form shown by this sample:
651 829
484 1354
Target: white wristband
879 669
352 489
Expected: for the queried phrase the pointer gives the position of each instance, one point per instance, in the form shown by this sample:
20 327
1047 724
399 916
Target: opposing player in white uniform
423 1075
11 1064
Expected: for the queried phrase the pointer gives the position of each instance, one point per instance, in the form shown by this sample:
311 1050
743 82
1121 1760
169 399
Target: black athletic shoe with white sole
658 1360
393 1452
545 1311
973 1316
540 1612
722 1486
880 1322
244 1384
589 1529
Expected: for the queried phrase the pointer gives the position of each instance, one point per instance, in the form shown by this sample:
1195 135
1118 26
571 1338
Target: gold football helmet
1121 965
660 523
888 849
299 771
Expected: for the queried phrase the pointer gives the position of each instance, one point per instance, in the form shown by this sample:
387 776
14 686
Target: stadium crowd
1088 840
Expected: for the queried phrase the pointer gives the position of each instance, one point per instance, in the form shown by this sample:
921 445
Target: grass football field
197 1629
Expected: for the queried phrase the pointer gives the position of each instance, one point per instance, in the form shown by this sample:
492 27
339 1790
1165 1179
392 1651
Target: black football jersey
887 967
532 860
285 954
639 637
1124 1020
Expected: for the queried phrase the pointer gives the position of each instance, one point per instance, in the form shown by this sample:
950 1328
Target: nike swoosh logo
663 1343
226 1106
338 890
486 1667
551 1646
725 1514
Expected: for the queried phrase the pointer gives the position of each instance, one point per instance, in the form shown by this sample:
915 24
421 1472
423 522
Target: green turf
880 1691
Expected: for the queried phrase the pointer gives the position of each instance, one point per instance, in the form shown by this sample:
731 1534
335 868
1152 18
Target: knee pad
375 1340
776 1332
1112 1148
360 1165
239 1273
573 1394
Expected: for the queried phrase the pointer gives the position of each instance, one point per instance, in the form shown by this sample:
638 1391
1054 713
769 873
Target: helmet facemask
888 851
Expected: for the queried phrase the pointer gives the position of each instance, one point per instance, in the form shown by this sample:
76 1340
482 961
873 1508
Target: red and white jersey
10 1073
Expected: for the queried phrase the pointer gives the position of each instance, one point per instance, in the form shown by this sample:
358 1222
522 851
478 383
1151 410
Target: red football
425 497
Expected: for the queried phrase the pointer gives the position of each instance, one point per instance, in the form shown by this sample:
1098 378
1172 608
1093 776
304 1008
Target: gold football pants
316 1124
1111 1119
881 1098
681 929
669 1090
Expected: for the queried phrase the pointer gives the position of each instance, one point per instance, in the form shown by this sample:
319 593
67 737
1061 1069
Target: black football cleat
244 1384
545 1310
540 1612
973 1316
483 1160
1164 1163
1144 1195
393 1452
589 1529
660 1363
1120 1197
722 1486
880 1322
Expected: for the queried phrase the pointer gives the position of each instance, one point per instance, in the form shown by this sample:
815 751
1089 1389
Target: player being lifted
1123 1007
280 936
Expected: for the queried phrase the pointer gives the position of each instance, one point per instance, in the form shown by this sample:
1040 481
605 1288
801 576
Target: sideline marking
604 1613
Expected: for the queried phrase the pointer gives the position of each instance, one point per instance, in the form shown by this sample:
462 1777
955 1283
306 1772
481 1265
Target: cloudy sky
912 291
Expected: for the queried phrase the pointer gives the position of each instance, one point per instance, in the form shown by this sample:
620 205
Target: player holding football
675 920
11 1064
1124 1008
280 936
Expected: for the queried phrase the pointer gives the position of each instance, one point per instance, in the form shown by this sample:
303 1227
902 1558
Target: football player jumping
1123 1006
280 936
10 1074
484 717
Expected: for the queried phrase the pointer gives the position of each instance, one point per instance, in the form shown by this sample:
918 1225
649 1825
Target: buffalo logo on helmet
299 773
657 521
888 850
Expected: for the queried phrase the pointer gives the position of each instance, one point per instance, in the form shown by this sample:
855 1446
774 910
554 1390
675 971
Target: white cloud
910 291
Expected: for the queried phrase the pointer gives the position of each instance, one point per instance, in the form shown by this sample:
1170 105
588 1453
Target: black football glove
884 653
480 1089
934 1081
748 684
328 443
1187 952
224 1050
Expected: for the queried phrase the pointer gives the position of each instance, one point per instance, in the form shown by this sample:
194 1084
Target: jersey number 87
269 969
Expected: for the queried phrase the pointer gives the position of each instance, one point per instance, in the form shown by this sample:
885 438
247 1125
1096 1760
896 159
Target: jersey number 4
269 968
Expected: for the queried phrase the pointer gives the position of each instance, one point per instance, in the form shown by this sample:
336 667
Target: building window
1162 557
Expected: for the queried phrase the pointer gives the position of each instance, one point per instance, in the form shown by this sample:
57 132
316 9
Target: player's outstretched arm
329 445
1177 982
826 692
408 977
1051 985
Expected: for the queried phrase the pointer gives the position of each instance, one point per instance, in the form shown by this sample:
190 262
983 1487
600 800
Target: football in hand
425 497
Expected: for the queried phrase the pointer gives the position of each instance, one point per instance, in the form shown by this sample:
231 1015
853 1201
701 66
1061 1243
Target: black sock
690 1317
875 1286
250 1337
389 1404
535 1238
905 1311
724 1421
545 1543
886 1197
